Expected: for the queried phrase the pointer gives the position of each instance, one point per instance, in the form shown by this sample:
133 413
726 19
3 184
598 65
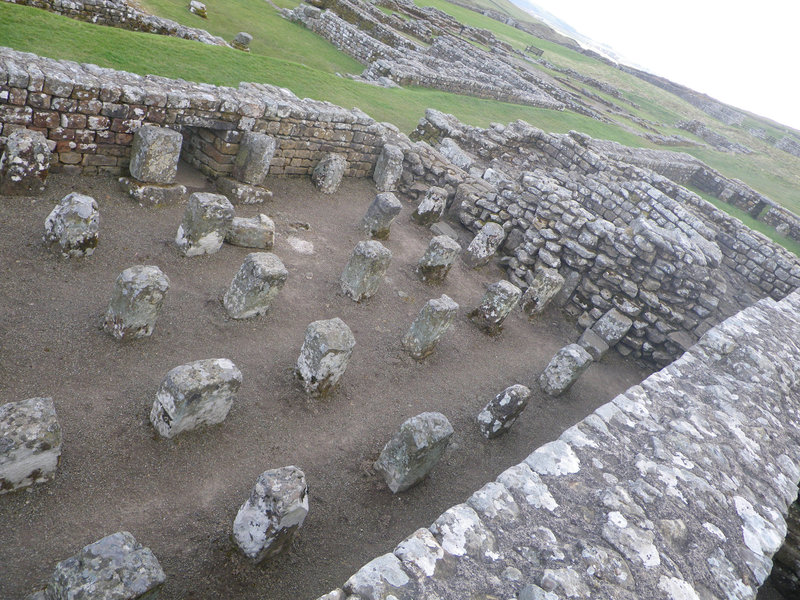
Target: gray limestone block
268 521
431 207
24 163
421 553
255 286
254 157
546 284
116 567
242 41
388 168
414 450
430 325
328 173
438 259
564 369
135 302
497 303
382 577
461 532
326 350
195 394
484 245
612 326
153 193
252 232
206 222
72 227
380 215
365 270
593 344
30 443
499 414
154 154
453 152
242 193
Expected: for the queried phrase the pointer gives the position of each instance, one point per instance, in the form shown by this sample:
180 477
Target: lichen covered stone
546 284
206 221
252 232
138 294
72 228
484 245
380 215
365 270
564 369
24 163
431 207
497 303
501 413
430 325
154 154
256 284
326 350
328 173
388 168
438 259
254 157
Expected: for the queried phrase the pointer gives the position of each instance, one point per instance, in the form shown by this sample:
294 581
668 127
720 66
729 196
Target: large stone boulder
72 227
268 521
430 325
484 245
206 221
439 257
431 207
24 164
380 215
501 413
497 303
564 369
135 302
254 157
328 173
365 270
388 168
326 350
155 152
414 450
256 284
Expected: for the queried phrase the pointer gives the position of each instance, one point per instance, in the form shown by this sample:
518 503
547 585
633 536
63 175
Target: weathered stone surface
593 344
255 155
242 41
135 302
73 225
365 270
388 168
431 207
198 8
328 173
484 245
24 164
497 303
546 284
326 350
453 152
154 154
430 325
414 450
443 228
380 215
153 193
242 193
439 257
194 395
252 232
206 221
30 443
268 521
564 369
499 414
382 577
612 326
255 286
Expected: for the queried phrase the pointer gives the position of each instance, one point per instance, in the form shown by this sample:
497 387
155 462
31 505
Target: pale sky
743 53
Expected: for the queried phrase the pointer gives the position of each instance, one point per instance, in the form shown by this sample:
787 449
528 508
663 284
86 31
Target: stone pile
136 300
72 228
439 257
24 163
430 325
255 286
155 152
206 222
365 270
326 350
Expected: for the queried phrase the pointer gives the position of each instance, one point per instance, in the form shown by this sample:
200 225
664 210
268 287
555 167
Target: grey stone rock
24 163
414 450
497 303
438 259
365 270
268 521
206 222
254 157
453 152
442 228
499 414
546 284
135 302
388 168
30 443
430 325
421 553
461 532
431 207
593 344
198 8
337 594
382 577
254 287
73 226
612 326
328 173
326 350
153 193
252 232
242 41
242 193
564 369
380 215
484 245
194 395
154 154
531 591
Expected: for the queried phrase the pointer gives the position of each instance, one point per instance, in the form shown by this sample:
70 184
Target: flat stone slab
564 369
154 154
438 259
153 193
328 173
242 193
484 245
326 350
365 270
380 214
430 325
206 222
501 413
138 294
24 163
252 232
72 227
255 286
497 303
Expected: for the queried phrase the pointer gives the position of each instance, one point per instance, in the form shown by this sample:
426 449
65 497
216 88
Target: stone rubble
254 287
433 321
327 175
502 412
24 163
365 270
326 350
497 303
564 369
206 221
431 207
380 214
439 257
136 300
484 245
72 227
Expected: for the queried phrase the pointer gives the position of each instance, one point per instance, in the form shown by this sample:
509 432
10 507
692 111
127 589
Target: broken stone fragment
195 394
380 215
206 221
73 225
388 168
254 157
135 302
612 326
414 450
497 303
268 521
242 41
256 284
439 257
365 270
430 325
564 369
154 154
546 284
484 245
431 207
328 173
252 232
24 163
242 193
326 350
30 443
499 414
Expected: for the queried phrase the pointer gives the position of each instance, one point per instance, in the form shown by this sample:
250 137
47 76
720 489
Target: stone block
24 163
135 302
499 414
154 154
430 325
30 443
198 8
268 521
612 326
564 369
484 245
252 232
382 577
195 394
328 173
242 193
206 222
439 257
365 270
442 228
453 152
593 344
153 193
545 286
380 215
431 207
254 287
326 350
254 157
497 303
242 41
414 450
72 226
388 168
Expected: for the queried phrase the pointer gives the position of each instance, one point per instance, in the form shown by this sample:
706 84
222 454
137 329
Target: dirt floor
180 497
